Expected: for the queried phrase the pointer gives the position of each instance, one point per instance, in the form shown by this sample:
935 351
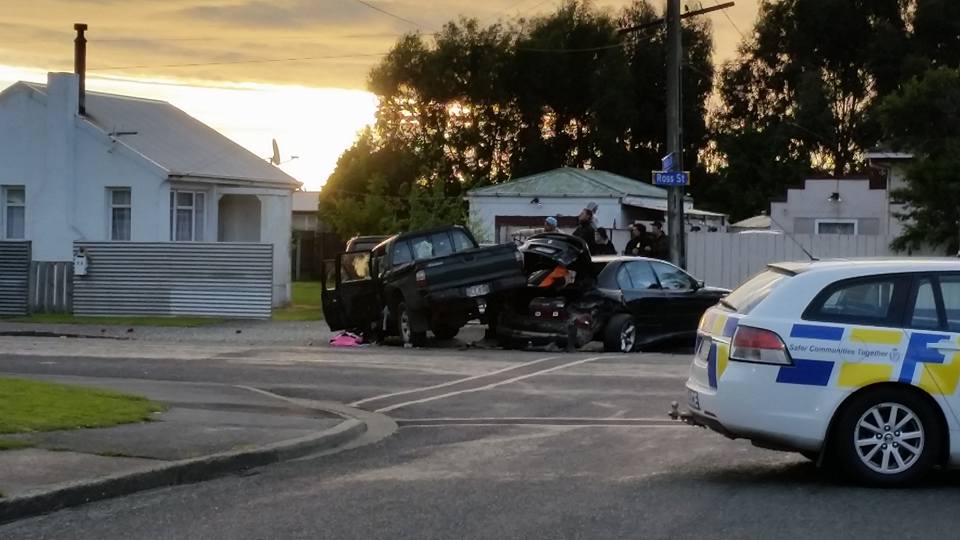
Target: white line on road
615 419
451 383
546 424
489 386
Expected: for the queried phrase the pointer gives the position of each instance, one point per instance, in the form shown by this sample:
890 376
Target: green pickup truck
432 280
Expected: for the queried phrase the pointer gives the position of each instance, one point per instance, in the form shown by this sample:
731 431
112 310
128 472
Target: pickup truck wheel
444 332
405 328
620 335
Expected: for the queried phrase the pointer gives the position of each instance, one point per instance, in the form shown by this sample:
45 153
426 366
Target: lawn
66 318
27 406
306 303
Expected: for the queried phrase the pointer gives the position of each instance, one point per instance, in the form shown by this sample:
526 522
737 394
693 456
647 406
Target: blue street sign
665 178
669 162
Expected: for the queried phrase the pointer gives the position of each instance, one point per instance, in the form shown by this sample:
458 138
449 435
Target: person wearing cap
585 229
550 224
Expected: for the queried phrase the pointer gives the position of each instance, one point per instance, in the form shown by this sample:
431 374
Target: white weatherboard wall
484 210
729 259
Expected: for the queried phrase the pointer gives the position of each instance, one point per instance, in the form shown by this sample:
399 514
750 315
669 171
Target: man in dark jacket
585 230
604 243
659 243
638 245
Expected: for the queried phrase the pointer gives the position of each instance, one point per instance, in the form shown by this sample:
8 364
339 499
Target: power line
729 18
260 61
561 51
389 14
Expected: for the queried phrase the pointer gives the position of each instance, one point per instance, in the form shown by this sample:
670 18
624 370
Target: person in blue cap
550 224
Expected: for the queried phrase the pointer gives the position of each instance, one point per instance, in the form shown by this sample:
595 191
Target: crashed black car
624 302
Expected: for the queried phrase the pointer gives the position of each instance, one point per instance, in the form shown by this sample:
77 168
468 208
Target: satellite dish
276 153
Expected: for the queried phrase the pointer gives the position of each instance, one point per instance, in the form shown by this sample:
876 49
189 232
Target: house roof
569 182
176 141
755 222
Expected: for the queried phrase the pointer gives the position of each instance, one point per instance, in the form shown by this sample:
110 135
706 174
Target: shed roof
570 182
176 141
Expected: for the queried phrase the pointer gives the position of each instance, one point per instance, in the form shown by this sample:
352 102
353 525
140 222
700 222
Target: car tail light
421 278
758 345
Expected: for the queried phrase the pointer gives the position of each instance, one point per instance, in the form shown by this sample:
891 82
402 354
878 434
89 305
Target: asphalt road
492 445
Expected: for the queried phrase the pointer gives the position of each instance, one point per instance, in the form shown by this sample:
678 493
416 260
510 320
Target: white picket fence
728 259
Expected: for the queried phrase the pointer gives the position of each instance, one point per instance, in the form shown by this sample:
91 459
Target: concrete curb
177 472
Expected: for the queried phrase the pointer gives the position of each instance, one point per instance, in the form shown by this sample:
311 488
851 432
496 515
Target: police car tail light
758 345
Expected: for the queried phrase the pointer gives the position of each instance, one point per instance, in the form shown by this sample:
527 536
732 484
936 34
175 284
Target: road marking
534 419
488 386
451 383
547 424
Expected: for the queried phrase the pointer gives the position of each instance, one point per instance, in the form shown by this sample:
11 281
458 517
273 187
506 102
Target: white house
500 210
131 169
858 205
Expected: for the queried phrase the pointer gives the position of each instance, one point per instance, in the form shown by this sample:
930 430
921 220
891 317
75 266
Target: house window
120 214
836 226
186 216
13 212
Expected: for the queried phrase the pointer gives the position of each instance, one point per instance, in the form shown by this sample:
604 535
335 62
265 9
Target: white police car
856 362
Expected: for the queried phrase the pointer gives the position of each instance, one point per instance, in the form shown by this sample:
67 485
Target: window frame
902 288
911 303
838 221
111 206
194 221
5 209
693 284
941 303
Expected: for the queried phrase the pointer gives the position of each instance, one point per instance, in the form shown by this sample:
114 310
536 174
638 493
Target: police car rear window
746 297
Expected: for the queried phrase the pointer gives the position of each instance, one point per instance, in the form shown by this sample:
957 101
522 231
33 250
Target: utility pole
675 222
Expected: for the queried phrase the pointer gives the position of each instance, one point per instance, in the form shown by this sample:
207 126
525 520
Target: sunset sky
293 70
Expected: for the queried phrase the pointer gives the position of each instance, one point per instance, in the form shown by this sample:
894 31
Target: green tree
482 104
799 96
924 118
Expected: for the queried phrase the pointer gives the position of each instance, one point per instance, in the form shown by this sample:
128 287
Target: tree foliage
798 97
924 118
477 105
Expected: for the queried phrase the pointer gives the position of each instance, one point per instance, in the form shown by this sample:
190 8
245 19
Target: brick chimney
80 64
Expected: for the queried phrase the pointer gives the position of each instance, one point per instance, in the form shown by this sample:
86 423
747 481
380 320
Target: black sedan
625 302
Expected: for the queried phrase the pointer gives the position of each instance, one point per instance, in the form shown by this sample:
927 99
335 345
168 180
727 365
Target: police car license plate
693 399
478 290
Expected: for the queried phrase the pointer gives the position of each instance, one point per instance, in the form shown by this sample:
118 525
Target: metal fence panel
165 278
14 277
728 259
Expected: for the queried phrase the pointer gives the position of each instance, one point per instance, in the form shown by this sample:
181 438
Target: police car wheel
888 437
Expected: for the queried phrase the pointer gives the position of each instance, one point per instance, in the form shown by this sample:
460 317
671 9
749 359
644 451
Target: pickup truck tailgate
475 266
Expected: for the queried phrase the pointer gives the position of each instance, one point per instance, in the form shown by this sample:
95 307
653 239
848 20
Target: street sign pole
675 196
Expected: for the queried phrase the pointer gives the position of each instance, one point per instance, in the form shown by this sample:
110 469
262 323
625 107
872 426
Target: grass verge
306 303
13 444
27 406
65 318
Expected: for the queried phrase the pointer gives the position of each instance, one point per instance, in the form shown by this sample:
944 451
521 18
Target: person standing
659 243
585 230
550 224
638 245
604 243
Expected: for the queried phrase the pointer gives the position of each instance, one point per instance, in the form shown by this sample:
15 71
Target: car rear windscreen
747 296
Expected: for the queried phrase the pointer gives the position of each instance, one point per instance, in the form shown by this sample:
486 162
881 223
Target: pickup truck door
353 302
